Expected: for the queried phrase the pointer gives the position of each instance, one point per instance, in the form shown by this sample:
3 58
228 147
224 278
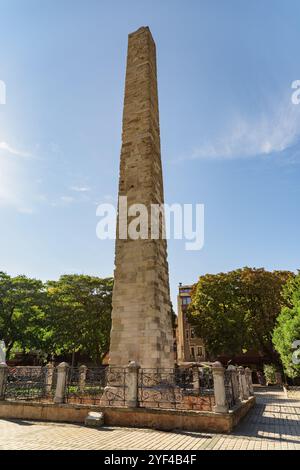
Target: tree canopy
236 311
22 315
287 329
79 314
57 317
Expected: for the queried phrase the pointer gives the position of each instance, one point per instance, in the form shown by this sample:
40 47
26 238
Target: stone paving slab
274 423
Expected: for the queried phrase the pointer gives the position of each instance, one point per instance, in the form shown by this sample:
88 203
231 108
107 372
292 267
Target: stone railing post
62 371
196 379
248 373
49 377
132 372
221 405
82 377
235 383
244 391
3 379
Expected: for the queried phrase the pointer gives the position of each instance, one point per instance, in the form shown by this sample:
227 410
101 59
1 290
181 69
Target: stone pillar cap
62 365
217 364
133 365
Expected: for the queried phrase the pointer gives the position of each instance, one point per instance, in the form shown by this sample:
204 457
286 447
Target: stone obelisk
141 316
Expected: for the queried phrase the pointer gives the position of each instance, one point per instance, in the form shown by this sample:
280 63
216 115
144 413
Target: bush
270 373
288 328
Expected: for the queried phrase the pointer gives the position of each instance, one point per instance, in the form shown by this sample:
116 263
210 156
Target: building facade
190 348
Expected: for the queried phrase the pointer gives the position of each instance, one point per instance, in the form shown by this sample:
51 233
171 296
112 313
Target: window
185 290
186 300
192 333
193 353
200 351
187 334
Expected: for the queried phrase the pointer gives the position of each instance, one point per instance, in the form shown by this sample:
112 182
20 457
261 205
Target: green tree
216 314
288 327
261 302
79 315
236 311
22 316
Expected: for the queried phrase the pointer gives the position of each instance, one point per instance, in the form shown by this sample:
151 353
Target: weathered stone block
141 290
94 419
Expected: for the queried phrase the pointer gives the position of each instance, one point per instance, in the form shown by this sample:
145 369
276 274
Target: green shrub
270 373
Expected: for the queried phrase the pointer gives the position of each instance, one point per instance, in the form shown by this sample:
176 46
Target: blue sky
230 134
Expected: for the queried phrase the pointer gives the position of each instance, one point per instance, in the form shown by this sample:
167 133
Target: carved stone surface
141 317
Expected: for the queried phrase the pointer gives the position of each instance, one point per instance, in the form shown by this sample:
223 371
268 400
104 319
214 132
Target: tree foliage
79 313
270 373
21 311
236 311
288 328
64 316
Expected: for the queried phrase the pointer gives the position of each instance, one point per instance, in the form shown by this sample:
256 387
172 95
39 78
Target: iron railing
190 388
96 385
85 385
179 388
232 390
26 383
115 392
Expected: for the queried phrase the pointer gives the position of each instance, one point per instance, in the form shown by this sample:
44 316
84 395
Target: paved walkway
273 424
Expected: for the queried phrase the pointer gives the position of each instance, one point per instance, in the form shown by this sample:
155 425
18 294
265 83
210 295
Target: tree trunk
73 360
8 349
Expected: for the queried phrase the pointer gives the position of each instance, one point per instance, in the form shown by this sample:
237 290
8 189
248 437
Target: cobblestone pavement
273 424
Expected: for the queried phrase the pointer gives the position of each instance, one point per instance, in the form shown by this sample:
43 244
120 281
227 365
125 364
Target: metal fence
229 388
28 383
85 385
96 385
179 388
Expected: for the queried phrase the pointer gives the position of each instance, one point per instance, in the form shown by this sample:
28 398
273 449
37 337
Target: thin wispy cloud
272 132
4 146
20 187
80 189
16 188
